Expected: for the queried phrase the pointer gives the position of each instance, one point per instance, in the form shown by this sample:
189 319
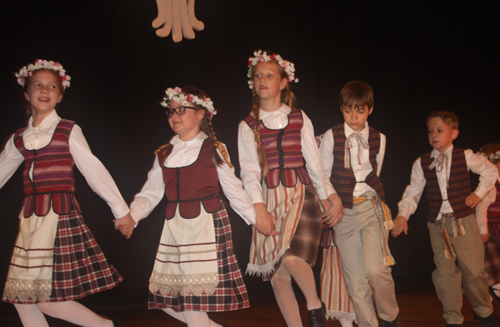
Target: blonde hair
287 97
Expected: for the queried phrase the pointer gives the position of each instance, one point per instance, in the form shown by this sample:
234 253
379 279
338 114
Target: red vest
458 190
192 185
53 181
343 179
283 151
494 213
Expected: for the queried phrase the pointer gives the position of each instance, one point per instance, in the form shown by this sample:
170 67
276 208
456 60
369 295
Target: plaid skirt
230 294
492 259
79 266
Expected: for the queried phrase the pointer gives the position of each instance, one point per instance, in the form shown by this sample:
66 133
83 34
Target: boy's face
356 116
441 135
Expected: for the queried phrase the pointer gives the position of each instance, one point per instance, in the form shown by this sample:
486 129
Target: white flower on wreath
174 94
288 66
29 69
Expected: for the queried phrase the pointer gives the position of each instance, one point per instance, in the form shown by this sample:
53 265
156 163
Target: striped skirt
230 294
298 214
333 288
79 266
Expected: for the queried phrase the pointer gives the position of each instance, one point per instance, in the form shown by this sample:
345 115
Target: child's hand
400 225
265 222
333 210
472 200
485 237
125 225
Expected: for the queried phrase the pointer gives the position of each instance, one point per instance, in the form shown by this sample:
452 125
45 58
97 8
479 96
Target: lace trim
337 315
185 285
27 290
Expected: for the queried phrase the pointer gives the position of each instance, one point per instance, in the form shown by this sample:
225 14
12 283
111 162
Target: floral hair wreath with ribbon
288 66
29 69
491 157
176 95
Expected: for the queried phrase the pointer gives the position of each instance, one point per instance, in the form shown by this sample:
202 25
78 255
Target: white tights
193 318
32 315
283 291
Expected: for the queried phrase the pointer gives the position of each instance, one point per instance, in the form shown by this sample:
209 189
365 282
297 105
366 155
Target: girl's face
187 125
267 81
44 92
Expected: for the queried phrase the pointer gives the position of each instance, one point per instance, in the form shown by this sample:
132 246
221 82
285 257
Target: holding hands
125 225
265 222
472 200
333 210
400 225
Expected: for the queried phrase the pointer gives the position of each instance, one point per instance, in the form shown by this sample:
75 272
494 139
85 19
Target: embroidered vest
190 186
343 179
458 190
53 181
494 213
283 151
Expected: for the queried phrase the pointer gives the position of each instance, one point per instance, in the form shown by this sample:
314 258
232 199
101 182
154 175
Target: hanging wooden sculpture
176 16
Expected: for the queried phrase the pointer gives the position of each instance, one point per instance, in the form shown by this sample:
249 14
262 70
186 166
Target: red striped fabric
494 214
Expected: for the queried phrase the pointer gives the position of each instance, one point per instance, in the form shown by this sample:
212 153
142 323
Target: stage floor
418 304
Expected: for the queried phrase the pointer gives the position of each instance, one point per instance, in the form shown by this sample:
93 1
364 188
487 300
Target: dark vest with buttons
343 179
459 186
53 184
284 151
191 186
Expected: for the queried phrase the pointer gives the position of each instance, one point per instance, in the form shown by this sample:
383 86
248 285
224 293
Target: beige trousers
360 248
466 269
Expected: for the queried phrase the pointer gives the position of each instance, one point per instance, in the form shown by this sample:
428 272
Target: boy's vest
190 186
284 151
494 213
458 190
343 179
53 181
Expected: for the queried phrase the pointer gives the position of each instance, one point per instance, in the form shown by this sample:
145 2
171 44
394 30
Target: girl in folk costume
195 270
488 219
56 259
333 287
275 143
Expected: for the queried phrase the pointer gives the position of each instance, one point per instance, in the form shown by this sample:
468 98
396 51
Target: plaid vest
190 186
284 151
343 179
458 190
494 213
53 181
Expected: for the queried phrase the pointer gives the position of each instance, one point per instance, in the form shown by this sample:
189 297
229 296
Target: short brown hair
448 117
357 94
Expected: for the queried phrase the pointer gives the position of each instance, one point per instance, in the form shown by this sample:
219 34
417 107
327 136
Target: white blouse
249 159
183 154
488 175
91 168
360 168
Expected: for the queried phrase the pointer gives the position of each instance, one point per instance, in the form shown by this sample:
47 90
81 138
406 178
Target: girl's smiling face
44 92
187 125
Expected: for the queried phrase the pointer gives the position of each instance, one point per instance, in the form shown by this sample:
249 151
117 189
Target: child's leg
30 315
303 275
74 313
446 277
283 291
350 245
192 318
470 258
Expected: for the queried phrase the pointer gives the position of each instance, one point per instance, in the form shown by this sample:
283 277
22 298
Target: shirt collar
365 132
283 110
435 153
199 138
48 125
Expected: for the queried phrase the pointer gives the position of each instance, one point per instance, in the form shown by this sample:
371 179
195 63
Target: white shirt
488 174
482 210
91 168
183 154
249 158
361 168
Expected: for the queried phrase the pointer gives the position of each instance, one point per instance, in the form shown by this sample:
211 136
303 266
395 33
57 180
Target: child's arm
334 213
482 213
488 175
381 153
411 197
10 159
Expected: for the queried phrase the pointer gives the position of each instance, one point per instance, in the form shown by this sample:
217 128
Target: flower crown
288 66
491 156
28 71
175 95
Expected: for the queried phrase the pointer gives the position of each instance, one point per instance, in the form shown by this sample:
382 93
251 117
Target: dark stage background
418 56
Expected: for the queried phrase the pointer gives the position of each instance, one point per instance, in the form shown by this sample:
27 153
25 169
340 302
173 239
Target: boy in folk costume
352 154
456 243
